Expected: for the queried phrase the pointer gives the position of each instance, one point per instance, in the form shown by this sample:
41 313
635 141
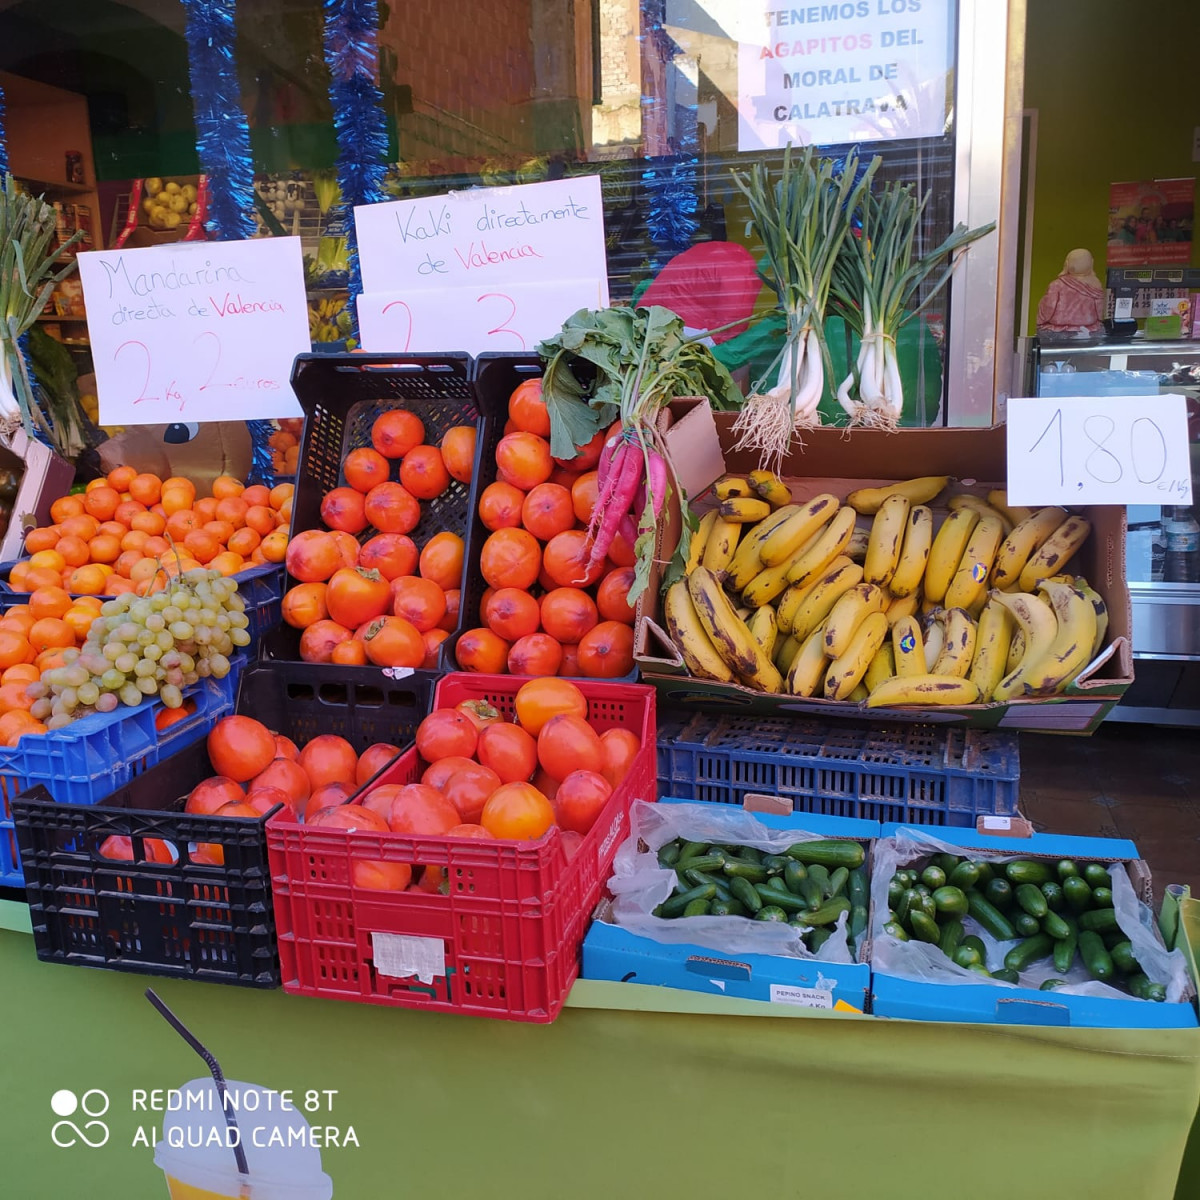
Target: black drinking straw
218 1075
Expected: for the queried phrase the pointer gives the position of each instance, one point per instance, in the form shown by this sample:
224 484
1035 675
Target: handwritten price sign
196 331
1099 450
473 320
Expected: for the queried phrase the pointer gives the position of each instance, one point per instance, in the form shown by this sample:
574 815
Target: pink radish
627 465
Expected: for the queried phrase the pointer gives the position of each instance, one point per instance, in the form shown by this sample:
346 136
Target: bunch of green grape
143 646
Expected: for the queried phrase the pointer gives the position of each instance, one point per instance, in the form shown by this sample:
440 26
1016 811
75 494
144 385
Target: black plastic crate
916 774
187 919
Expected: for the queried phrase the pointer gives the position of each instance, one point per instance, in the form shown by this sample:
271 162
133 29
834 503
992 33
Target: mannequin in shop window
1073 305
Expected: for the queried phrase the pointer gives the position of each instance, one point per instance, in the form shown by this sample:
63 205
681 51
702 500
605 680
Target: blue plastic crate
94 756
919 774
262 590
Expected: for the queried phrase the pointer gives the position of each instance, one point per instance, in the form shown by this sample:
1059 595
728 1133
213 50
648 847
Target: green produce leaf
573 423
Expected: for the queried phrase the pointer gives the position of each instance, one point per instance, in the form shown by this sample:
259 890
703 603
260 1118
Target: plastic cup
202 1166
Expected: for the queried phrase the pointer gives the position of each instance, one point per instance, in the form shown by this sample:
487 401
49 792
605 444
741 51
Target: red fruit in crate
620 748
373 759
548 511
512 613
481 650
510 558
583 495
442 560
517 812
419 601
545 784
587 457
444 733
396 432
364 468
620 553
453 603
568 613
469 789
433 880
568 743
468 831
436 774
286 748
120 849
347 548
422 811
581 798
240 747
527 410
210 794
523 459
330 794
379 799
378 875
458 452
392 508
423 472
480 712
570 662
606 652
329 758
312 556
287 775
537 654
540 699
566 559
612 596
263 799
394 642
433 639
354 596
500 506
343 509
354 817
391 554
509 751
319 639
304 605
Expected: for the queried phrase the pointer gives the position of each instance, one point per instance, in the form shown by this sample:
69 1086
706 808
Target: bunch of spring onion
27 278
876 278
802 219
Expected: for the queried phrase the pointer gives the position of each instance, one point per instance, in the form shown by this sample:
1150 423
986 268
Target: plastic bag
925 963
639 884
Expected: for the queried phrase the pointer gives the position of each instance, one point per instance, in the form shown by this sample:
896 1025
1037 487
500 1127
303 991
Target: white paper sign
830 73
1098 450
473 320
196 331
399 956
485 238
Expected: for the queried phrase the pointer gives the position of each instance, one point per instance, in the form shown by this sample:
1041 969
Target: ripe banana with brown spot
747 559
764 629
1100 609
1020 545
789 536
882 666
786 650
992 644
968 589
1055 552
699 541
846 671
808 667
1039 628
886 540
934 633
916 491
958 648
769 584
923 689
734 642
903 606
832 543
850 611
860 539
769 487
914 554
908 648
947 551
1016 513
690 637
982 507
820 598
1016 652
730 487
1072 649
720 547
744 510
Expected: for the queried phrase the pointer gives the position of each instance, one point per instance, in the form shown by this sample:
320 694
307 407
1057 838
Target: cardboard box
893 996
610 952
45 477
837 460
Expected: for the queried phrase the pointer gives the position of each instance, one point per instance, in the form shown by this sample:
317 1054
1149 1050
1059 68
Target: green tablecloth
705 1100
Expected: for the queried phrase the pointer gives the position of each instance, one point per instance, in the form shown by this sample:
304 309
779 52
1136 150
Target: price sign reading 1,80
1099 450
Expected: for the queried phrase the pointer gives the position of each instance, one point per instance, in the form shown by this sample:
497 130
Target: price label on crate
196 331
1098 450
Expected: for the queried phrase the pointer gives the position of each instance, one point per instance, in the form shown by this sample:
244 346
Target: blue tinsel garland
262 468
3 137
352 55
222 131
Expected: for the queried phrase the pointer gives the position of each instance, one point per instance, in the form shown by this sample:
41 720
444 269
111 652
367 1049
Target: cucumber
980 969
896 889
771 912
780 897
697 908
929 907
976 944
858 920
1055 926
950 900
1097 876
990 918
1000 893
908 878
946 862
1078 893
1030 898
1019 958
860 889
924 928
748 853
1099 920
810 890
828 913
1066 869
1054 896
1102 897
829 853
668 855
1025 925
677 903
838 880
794 874
776 864
933 878
694 849
1050 985
952 935
706 862
964 876
743 891
726 908
967 956
1095 957
1064 948
1145 989
1025 870
820 876
987 873
1113 937
815 939
1122 956
922 889
896 930
1006 975
700 879
741 869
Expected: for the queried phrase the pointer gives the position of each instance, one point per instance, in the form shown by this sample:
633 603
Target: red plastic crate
505 941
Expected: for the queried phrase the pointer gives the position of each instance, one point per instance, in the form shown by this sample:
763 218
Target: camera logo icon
67 1132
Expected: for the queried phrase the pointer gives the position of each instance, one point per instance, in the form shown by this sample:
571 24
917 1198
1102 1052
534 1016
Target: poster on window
855 71
1150 222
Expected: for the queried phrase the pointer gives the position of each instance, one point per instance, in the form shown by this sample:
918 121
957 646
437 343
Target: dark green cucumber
700 878
1097 876
950 900
743 890
924 929
817 938
1078 893
1146 989
860 890
986 873
1025 870
908 878
952 934
697 908
1050 985
794 874
1122 956
929 907
820 876
896 889
858 920
976 944
705 862
999 892
776 864
1030 898
1102 897
990 918
964 876
694 849
980 969
946 862
1066 869
1019 958
1095 957
1056 926
1055 900
677 903
1064 948
828 913
920 887
1099 920
896 930
967 956
668 855
750 854
1008 976
1025 925
839 879
780 897
829 853
933 878
771 912
810 890
741 869
726 908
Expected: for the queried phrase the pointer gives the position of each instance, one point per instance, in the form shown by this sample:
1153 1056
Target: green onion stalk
876 278
27 279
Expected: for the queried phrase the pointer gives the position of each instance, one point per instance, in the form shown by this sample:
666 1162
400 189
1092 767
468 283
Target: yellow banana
916 491
769 487
848 613
694 645
923 689
730 487
790 601
808 667
744 511
1016 513
764 629
908 648
860 540
1055 552
982 507
947 551
823 595
834 540
786 650
1039 628
1072 649
883 666
766 586
699 539
934 633
720 546
746 561
1016 652
958 649
846 671
1016 549
991 648
734 642
859 695
1100 609
914 553
968 588
886 540
788 537
903 606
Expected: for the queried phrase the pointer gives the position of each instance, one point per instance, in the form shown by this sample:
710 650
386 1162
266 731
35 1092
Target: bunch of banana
791 597
323 319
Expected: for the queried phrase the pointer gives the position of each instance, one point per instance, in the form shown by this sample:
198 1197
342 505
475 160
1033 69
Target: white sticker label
805 997
997 822
400 957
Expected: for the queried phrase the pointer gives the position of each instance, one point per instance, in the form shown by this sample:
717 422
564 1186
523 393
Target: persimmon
420 810
355 596
441 560
304 605
392 508
453 603
517 812
318 640
606 651
394 642
566 557
364 468
567 613
568 743
540 699
620 748
580 799
468 789
534 654
349 653
548 511
446 733
373 759
481 650
391 554
240 747
419 601
523 459
512 613
396 432
527 410
458 452
312 556
433 639
343 508
329 758
612 597
510 558
423 472
500 506
583 495
211 794
508 750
